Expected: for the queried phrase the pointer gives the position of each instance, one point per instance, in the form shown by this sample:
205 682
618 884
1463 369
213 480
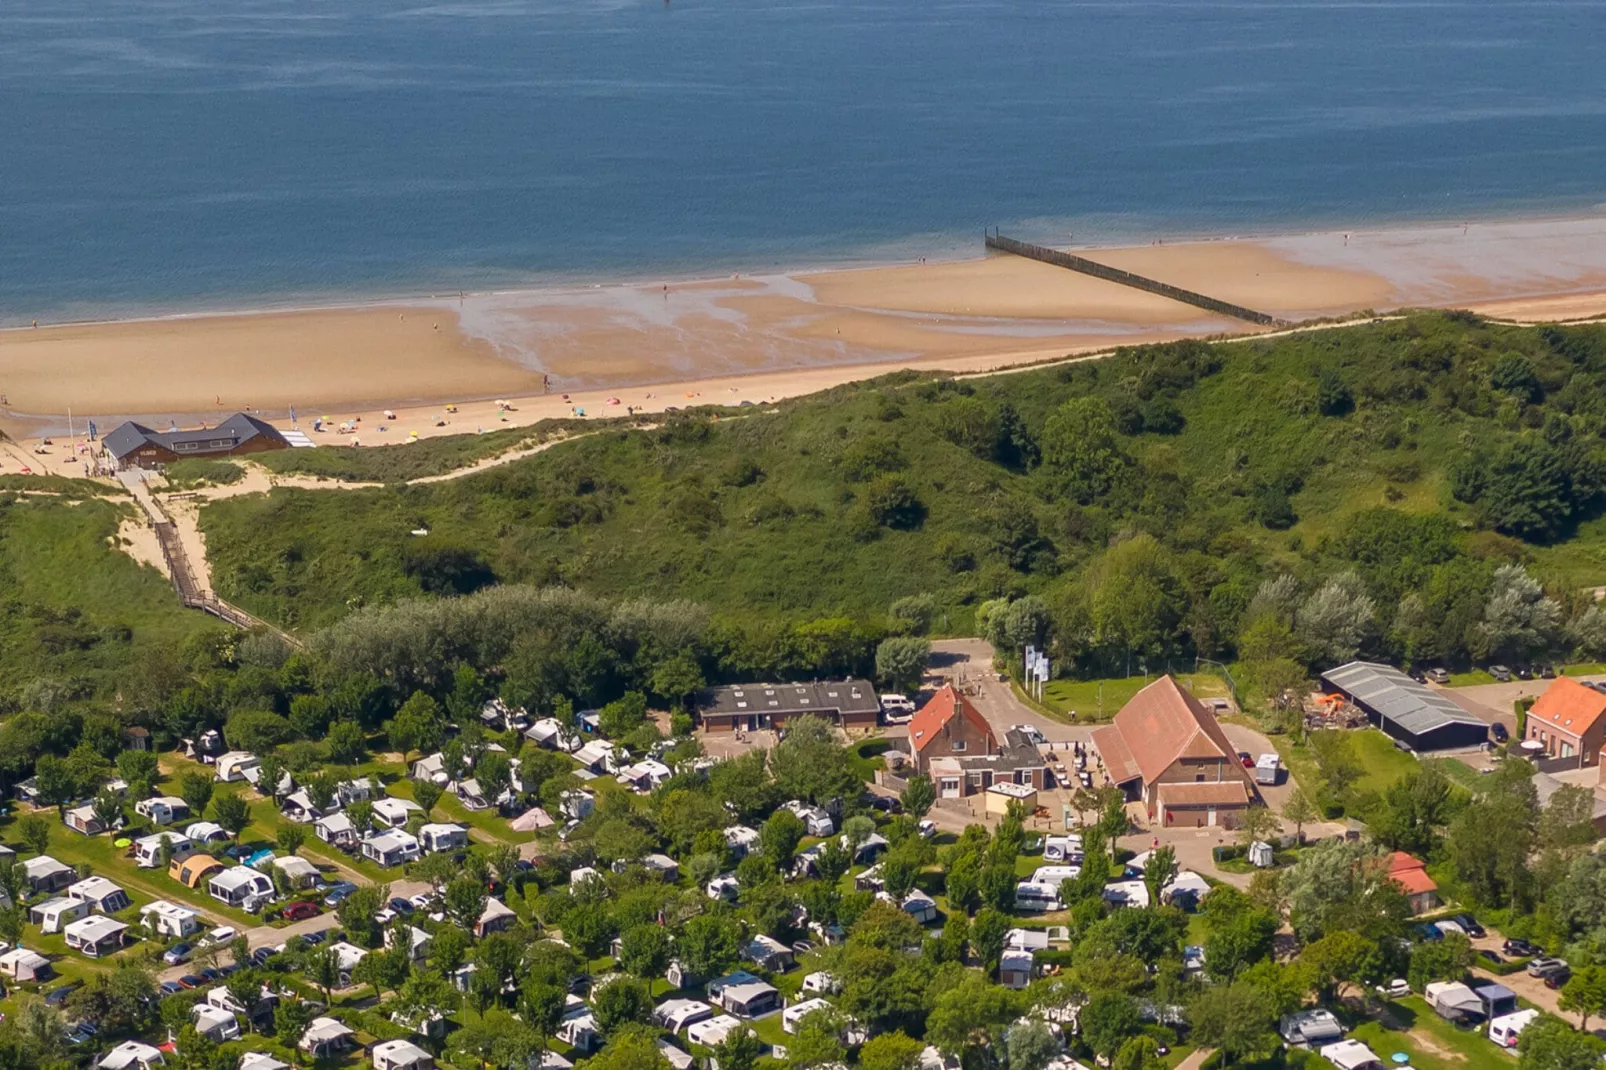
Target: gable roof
1163 723
1569 706
941 709
228 435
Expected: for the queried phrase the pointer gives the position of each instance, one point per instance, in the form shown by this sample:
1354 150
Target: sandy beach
759 338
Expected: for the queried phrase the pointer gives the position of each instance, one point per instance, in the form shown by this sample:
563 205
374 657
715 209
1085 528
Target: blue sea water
170 155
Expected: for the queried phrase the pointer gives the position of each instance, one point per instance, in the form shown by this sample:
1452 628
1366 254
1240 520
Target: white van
896 709
1054 876
1030 895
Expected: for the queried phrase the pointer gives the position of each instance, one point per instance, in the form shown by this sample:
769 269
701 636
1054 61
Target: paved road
968 664
263 936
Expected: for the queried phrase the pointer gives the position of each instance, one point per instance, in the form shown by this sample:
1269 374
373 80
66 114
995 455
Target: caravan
1040 898
1505 1029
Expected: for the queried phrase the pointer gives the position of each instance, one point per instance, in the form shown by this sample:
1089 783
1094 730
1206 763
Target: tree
1258 824
623 715
972 1015
1491 840
361 814
322 967
232 812
464 900
196 791
887 1051
1338 618
1108 1020
988 932
108 807
290 837
817 1041
139 769
1336 761
810 764
589 928
918 796
290 1020
359 912
645 950
270 780
426 793
1159 872
346 742
1301 812
321 789
740 1050
1139 1053
1081 450
901 660
709 945
1236 1019
1340 958
1567 821
1551 1044
1438 960
1519 622
1585 994
1339 884
1030 1045
780 836
418 726
622 1001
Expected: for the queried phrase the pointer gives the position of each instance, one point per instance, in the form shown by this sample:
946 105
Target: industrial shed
1414 714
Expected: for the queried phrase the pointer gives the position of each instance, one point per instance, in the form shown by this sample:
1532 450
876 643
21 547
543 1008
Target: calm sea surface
170 155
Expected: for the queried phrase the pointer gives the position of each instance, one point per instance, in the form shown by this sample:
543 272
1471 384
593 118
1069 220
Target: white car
221 935
927 828
1031 732
1395 989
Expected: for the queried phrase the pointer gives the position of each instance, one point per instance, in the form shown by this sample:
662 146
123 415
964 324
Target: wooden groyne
1082 264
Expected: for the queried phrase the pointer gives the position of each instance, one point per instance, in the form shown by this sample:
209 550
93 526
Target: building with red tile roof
1410 873
1168 750
953 744
1569 721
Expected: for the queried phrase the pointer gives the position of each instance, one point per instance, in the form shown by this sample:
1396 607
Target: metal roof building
850 703
1415 714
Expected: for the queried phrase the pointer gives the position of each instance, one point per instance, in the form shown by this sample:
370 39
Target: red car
302 910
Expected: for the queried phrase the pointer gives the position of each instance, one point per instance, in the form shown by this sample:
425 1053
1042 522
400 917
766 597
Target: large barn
853 704
134 445
1418 716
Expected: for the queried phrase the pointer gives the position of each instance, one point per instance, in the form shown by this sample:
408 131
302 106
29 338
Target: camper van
1505 1029
1030 895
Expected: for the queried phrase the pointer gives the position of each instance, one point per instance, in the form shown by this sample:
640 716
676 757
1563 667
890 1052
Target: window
1198 778
1566 750
957 746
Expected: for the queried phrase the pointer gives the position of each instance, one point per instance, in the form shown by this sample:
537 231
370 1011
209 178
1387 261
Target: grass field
1430 1041
1382 762
1100 700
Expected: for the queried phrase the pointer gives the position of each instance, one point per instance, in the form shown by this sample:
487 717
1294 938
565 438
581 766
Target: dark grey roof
1392 695
832 696
226 436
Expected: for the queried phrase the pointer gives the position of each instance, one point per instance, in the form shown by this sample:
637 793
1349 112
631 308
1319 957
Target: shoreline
560 285
846 324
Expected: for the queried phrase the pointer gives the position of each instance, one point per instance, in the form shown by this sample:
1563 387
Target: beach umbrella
613 401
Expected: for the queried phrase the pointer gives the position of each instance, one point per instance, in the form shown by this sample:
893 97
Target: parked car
927 828
1541 966
1547 672
1439 676
169 988
1469 925
1524 672
221 935
1500 673
302 909
338 893
314 939
1429 933
212 975
1520 948
189 980
1247 759
178 954
1395 989
404 907
1557 978
1500 733
1491 957
260 957
1033 735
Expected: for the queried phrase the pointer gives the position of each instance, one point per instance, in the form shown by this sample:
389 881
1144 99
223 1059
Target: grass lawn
1461 773
1099 700
865 758
1383 762
1430 1041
